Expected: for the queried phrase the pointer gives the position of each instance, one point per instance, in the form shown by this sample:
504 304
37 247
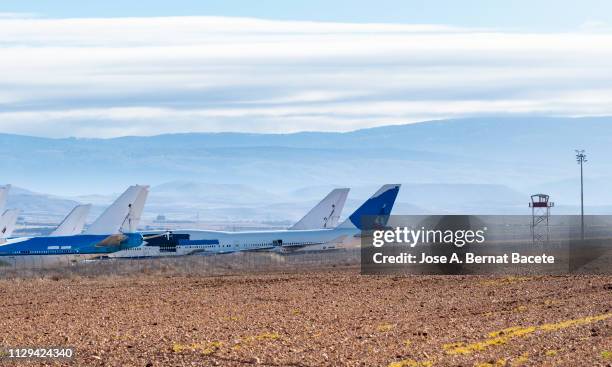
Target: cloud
143 76
17 15
595 26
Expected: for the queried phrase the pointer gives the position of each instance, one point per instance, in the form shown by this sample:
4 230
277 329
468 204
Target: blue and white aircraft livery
102 237
187 242
162 243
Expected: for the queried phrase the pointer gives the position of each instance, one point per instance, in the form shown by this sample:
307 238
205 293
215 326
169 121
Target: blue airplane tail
375 211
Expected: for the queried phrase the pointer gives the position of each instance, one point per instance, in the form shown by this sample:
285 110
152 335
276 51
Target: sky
112 68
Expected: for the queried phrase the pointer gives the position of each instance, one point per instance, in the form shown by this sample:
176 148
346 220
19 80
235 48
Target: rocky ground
316 319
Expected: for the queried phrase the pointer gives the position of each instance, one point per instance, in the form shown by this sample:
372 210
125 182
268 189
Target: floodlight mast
581 159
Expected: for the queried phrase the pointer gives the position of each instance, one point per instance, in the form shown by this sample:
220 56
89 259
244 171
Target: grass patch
498 363
503 336
384 328
520 360
410 363
506 280
204 348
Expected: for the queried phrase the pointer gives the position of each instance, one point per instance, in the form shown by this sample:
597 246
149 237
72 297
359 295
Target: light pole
580 159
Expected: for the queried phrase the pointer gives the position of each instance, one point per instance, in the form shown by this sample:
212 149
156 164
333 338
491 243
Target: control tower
540 214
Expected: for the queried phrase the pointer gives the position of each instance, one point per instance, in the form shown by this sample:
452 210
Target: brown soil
319 319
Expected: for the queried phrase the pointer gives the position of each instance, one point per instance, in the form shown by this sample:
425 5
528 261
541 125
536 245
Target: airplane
376 208
324 215
102 237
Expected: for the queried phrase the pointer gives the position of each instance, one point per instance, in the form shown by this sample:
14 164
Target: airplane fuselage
282 241
189 242
45 251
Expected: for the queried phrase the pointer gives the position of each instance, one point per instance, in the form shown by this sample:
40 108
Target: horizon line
406 124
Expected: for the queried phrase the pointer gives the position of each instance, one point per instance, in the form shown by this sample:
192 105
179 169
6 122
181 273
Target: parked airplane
324 215
186 242
378 206
102 237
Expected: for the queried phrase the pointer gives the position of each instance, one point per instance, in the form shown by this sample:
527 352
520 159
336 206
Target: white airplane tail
73 223
326 214
133 219
8 222
114 217
4 190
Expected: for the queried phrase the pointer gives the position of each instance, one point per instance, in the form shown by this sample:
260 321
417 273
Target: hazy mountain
39 206
473 165
223 194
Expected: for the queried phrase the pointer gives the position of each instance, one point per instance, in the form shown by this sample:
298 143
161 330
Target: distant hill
40 206
223 194
459 165
225 203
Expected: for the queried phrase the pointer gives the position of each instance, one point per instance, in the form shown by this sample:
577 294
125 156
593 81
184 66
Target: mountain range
485 164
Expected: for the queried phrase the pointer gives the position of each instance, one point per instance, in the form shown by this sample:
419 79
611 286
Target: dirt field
320 319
